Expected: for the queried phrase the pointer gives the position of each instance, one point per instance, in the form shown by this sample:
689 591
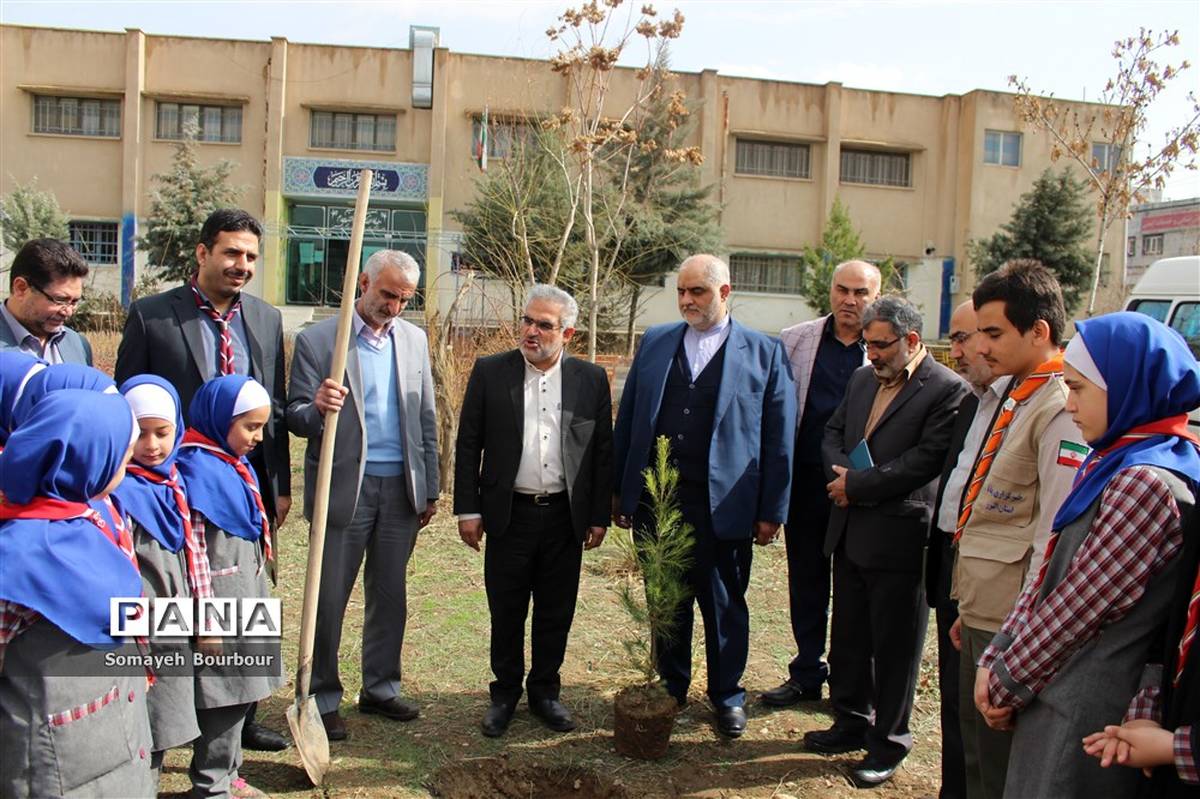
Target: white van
1169 291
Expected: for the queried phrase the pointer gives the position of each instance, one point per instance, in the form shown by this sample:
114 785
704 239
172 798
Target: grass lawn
446 671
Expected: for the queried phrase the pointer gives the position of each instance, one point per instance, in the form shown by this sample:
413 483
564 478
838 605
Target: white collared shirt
699 347
541 468
989 401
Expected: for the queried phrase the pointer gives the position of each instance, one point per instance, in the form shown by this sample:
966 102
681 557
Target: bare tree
1103 142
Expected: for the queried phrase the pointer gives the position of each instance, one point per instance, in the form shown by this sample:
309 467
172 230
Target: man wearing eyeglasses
385 478
45 287
884 448
533 473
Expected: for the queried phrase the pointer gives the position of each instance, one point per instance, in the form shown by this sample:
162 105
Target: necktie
995 438
225 345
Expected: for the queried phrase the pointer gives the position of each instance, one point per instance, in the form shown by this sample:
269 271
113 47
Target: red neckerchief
193 437
176 487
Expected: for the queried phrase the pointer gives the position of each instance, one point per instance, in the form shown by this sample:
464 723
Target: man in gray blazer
385 478
903 407
45 285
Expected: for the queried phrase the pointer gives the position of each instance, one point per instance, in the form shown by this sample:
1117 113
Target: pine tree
1051 223
28 213
839 242
185 195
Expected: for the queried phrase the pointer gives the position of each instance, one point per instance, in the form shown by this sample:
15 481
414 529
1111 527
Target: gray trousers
217 753
985 751
384 529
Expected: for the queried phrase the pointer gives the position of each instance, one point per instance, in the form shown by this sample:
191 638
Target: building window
772 274
1002 148
876 169
1131 246
212 123
1152 244
504 136
77 116
346 131
772 159
1105 157
95 241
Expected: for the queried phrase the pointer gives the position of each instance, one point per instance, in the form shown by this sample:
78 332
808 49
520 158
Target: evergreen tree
839 242
1051 223
185 195
28 213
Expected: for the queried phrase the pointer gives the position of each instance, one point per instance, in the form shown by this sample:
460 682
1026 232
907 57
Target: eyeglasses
961 337
60 302
881 345
545 327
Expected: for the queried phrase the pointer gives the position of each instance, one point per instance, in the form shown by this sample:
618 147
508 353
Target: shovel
303 717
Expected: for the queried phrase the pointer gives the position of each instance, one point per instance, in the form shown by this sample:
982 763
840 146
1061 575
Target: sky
925 47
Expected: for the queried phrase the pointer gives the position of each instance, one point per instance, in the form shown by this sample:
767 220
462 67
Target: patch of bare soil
499 778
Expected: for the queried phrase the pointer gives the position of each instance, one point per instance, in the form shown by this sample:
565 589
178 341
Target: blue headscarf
1151 375
70 448
15 369
56 378
214 486
153 504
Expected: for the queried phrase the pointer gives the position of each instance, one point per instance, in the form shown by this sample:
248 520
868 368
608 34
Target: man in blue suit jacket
723 395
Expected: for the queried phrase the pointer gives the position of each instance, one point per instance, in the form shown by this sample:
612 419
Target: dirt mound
496 778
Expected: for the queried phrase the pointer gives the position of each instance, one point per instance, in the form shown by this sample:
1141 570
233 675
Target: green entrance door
319 241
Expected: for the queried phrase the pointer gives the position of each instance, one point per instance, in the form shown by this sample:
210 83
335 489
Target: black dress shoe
833 741
789 694
871 772
554 714
393 708
335 726
731 721
496 719
261 739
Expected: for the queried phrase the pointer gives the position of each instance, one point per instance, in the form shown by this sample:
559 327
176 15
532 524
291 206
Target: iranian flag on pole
481 142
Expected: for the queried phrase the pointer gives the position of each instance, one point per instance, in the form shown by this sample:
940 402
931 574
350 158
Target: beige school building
93 116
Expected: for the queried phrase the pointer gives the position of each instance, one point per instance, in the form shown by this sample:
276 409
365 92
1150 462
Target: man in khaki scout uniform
1023 468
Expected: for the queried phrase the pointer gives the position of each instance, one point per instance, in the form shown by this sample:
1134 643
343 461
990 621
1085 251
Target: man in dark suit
970 425
209 327
904 408
723 395
533 470
45 284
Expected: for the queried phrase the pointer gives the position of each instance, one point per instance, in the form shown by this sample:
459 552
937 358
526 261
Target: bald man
722 394
823 354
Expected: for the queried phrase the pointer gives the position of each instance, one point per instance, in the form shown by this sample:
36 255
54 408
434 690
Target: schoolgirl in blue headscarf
69 722
57 377
227 418
1072 652
16 368
172 558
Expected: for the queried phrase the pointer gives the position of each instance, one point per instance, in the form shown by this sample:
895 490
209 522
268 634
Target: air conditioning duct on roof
422 40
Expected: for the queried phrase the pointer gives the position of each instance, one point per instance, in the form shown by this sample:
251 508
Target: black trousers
954 776
808 574
879 621
538 557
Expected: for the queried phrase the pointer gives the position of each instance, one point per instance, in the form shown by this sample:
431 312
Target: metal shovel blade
309 734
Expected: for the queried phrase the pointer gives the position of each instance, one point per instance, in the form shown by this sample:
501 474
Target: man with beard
209 327
45 285
533 471
823 354
974 416
385 478
884 447
722 394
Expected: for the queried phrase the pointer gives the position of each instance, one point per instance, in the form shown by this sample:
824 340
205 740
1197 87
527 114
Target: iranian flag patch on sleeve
1071 454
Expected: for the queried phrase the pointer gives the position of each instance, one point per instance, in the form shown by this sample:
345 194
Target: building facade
93 116
1160 230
